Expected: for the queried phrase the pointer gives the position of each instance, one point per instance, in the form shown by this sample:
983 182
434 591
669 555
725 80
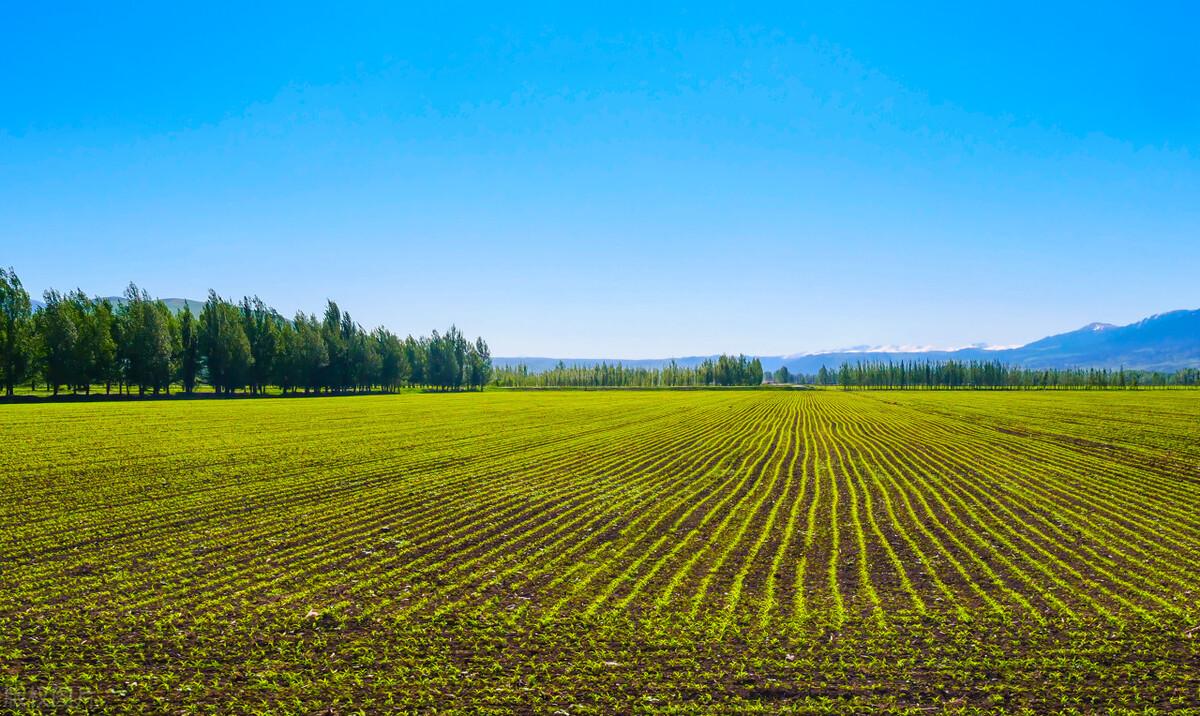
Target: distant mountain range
1165 342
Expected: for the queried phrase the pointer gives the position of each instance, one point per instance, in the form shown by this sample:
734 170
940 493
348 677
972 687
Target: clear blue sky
620 181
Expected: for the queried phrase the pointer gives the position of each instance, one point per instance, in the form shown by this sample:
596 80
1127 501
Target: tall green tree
480 362
147 341
444 368
223 345
416 353
58 337
189 350
168 368
460 349
100 339
312 360
391 358
285 373
366 364
16 331
261 326
336 369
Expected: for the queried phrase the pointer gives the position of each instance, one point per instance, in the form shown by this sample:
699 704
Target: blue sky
617 181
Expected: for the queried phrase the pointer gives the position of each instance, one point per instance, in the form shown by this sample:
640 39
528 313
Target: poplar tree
16 330
223 346
58 336
189 350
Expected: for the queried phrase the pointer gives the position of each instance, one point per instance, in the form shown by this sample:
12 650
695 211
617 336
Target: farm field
599 552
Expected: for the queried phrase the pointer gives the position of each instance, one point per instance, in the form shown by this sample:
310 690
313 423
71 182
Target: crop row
716 518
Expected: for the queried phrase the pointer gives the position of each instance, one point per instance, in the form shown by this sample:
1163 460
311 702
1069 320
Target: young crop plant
594 552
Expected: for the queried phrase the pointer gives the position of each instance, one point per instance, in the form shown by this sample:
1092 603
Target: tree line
725 370
76 342
899 375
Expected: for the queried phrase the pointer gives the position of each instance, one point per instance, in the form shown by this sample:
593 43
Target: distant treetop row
76 342
79 343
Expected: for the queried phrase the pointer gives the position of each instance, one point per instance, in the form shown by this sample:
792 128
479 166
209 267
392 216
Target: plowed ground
599 552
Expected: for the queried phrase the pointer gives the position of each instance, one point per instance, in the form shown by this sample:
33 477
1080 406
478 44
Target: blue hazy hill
1166 341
